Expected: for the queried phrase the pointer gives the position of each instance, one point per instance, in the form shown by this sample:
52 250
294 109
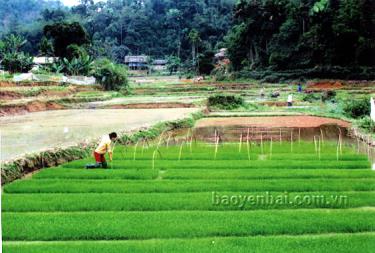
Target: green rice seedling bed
63 202
229 164
69 173
198 197
97 174
231 151
339 243
148 186
182 224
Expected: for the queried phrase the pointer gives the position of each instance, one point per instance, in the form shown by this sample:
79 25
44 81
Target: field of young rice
196 197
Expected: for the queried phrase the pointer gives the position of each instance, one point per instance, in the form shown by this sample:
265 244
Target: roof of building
44 60
160 62
136 58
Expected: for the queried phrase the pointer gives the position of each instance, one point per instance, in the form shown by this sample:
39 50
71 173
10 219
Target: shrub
226 102
311 97
75 51
77 66
329 95
367 124
111 76
357 108
17 62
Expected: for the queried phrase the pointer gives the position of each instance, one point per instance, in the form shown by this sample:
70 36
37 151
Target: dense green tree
64 35
297 34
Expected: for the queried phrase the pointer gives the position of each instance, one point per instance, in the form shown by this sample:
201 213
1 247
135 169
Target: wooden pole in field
291 141
135 151
368 146
180 153
216 146
169 138
153 159
261 142
191 143
357 145
319 142
315 145
271 148
240 145
280 136
187 136
299 135
321 134
340 139
248 149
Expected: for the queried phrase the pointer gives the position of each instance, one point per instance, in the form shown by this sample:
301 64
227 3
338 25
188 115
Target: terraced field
269 197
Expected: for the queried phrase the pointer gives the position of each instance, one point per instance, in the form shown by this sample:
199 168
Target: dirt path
278 121
38 131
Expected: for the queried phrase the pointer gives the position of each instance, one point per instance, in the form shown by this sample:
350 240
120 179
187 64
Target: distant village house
159 65
137 62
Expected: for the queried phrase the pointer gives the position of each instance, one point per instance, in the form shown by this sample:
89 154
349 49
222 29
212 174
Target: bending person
103 148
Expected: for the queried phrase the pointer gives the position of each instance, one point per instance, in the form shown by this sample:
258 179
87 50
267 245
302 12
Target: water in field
42 130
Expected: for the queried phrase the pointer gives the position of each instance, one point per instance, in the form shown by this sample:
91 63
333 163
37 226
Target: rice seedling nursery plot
197 197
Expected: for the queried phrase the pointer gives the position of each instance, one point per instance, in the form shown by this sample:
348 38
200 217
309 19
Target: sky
74 2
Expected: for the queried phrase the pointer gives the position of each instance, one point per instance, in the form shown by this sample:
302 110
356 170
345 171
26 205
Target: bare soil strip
271 122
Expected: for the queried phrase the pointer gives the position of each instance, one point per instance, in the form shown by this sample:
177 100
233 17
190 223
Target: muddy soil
325 85
9 95
279 121
273 127
34 106
38 131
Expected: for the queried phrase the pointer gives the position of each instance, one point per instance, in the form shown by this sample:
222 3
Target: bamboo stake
321 134
248 149
357 145
319 148
291 141
216 147
340 139
280 136
368 145
240 145
315 145
191 143
271 148
180 153
187 137
160 138
169 138
135 150
299 135
153 159
113 150
143 146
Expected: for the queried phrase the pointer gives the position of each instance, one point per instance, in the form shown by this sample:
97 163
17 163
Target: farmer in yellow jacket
103 148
